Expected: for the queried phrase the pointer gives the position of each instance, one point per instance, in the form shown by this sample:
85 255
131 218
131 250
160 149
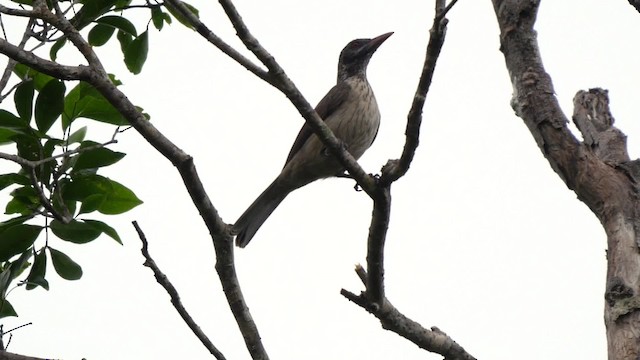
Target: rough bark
597 169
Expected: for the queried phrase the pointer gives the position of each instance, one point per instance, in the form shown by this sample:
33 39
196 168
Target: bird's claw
376 179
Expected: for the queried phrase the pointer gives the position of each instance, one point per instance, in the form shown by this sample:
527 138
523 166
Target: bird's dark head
354 58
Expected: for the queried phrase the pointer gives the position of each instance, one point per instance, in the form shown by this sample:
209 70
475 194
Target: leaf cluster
57 187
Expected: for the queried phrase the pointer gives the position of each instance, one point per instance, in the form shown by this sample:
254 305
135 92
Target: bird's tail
253 218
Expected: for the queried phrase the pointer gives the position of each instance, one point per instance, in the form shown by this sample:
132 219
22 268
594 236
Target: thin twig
11 64
162 279
33 164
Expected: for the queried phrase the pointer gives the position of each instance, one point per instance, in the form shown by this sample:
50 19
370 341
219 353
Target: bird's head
354 58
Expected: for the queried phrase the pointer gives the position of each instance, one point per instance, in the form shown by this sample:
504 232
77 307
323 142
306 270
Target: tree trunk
597 169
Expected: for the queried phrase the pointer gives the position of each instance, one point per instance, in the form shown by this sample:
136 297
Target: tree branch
162 279
4 355
375 244
635 4
203 30
394 169
54 69
11 63
392 319
596 169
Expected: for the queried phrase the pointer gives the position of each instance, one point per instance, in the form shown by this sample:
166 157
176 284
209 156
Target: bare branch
16 12
33 164
635 4
433 340
162 279
11 356
375 245
203 30
592 117
54 69
394 169
6 75
596 169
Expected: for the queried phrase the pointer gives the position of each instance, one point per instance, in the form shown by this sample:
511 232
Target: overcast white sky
485 240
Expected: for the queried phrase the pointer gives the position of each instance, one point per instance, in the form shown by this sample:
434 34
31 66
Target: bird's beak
375 43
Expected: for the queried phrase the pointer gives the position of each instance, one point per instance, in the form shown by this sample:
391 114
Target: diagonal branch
394 169
203 30
162 279
392 319
282 82
8 70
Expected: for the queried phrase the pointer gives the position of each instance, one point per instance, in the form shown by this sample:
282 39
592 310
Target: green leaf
25 200
64 266
28 147
53 53
10 121
83 186
91 203
16 206
118 22
158 17
99 225
60 203
13 178
6 309
176 14
116 198
38 271
119 200
23 98
49 104
76 231
136 53
100 34
77 135
84 101
10 126
18 266
17 239
14 221
25 73
125 40
90 11
96 158
5 279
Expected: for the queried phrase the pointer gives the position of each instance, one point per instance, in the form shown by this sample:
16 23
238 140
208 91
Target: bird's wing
329 103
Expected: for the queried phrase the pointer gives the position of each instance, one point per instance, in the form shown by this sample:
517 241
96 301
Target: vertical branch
375 244
394 169
373 298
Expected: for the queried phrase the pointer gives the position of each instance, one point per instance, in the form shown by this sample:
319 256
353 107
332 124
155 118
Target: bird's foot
344 175
376 178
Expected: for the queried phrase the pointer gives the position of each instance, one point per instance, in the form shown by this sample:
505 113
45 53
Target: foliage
57 187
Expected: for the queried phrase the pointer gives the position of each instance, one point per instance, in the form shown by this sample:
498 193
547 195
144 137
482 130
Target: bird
350 110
